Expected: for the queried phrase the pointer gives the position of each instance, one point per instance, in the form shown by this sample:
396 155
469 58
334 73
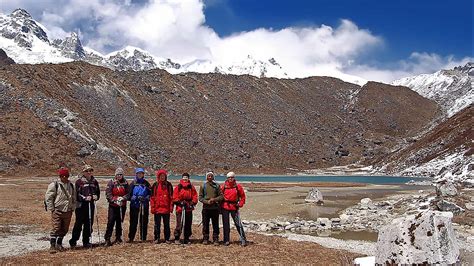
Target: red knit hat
161 171
63 172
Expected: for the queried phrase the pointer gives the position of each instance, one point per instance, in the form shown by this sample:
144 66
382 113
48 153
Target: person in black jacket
88 191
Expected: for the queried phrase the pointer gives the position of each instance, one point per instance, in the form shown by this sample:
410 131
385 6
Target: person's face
162 177
119 177
231 178
88 173
185 178
210 177
64 178
140 174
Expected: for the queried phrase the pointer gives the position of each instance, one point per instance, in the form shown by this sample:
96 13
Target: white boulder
425 238
446 189
314 196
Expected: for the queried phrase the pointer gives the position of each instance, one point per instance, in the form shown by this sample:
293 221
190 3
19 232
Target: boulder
446 189
314 196
447 206
425 238
366 203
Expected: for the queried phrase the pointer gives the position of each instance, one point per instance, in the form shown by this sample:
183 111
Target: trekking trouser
114 219
83 223
188 220
209 215
226 224
60 221
166 225
134 220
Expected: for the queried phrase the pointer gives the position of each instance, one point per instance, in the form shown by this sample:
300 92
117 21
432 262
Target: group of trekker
63 198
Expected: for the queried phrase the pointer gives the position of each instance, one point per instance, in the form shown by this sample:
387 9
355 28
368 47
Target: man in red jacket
234 198
161 202
184 197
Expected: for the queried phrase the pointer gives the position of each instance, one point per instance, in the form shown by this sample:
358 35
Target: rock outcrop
314 196
425 238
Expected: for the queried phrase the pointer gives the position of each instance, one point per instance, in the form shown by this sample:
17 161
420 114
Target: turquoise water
283 178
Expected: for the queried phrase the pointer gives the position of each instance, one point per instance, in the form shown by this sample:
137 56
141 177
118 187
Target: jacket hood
184 183
159 172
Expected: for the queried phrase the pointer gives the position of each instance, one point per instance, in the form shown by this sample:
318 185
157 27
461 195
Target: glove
120 199
88 198
141 198
95 197
134 198
240 205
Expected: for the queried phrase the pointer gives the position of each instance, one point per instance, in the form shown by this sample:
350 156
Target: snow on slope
452 89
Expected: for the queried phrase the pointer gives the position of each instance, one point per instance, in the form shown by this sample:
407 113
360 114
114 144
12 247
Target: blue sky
434 26
375 40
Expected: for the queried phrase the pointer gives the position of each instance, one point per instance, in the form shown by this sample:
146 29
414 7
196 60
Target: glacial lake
305 178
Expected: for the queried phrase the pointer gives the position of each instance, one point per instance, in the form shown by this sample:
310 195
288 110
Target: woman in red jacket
184 197
234 198
161 202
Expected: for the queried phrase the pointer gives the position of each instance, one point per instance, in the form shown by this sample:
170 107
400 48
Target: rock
84 151
447 206
425 238
470 206
314 196
446 189
324 222
366 261
336 220
366 203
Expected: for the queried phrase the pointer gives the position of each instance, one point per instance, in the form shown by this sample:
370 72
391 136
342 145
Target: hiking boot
205 242
244 243
130 241
118 240
226 243
168 242
87 245
216 243
72 244
157 241
52 249
177 242
187 242
59 244
108 243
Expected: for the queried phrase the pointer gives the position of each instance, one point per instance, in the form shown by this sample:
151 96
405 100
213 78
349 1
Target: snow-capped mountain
26 41
451 89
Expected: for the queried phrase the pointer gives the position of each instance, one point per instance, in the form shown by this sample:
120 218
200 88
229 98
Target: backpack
56 188
204 189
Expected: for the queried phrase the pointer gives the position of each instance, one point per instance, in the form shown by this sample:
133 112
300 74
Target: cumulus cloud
177 29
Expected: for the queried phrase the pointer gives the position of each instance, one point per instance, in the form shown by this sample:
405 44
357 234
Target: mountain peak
20 13
71 46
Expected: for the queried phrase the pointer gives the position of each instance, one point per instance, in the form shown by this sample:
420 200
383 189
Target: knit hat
63 172
161 171
87 167
230 174
119 171
138 170
209 173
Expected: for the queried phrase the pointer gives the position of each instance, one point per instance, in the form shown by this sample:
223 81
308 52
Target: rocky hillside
77 112
453 89
445 151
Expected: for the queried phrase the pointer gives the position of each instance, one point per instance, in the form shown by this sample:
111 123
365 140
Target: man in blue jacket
139 205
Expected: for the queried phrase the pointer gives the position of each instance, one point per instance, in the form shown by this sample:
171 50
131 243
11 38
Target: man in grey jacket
60 199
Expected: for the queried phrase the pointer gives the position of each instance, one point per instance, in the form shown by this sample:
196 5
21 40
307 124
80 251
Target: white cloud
176 29
417 63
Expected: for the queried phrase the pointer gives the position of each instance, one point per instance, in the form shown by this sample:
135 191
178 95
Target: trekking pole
183 217
90 223
97 220
140 208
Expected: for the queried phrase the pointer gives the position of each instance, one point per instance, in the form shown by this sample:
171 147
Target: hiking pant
188 221
207 216
166 224
135 218
83 220
60 221
226 224
113 218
